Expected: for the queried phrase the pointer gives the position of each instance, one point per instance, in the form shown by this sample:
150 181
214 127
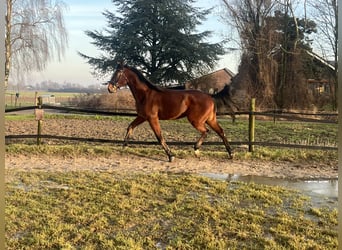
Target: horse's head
118 79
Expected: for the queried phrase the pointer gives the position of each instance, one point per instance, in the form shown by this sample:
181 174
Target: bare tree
272 39
35 34
325 14
249 17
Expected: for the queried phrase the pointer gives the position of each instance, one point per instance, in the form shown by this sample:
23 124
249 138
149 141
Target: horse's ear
119 65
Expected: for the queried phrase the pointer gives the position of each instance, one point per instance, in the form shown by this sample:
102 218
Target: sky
83 15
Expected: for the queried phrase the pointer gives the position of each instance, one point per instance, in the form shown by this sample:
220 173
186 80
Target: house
324 85
211 83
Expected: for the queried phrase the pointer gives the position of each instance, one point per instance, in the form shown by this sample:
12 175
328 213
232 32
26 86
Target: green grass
88 210
297 132
21 117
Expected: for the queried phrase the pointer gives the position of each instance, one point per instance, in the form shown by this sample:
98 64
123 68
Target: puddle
323 192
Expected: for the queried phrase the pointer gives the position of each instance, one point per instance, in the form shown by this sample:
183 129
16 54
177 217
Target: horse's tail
223 100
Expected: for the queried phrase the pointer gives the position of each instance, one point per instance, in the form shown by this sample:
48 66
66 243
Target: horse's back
174 104
200 99
189 97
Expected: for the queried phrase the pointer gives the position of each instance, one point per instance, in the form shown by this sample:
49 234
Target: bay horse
154 103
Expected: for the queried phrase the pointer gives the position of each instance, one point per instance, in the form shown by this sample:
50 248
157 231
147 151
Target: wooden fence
272 114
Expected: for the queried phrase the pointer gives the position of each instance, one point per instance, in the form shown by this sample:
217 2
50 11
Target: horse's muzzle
112 88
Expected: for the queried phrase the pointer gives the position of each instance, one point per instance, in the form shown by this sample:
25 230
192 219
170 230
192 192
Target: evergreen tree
157 36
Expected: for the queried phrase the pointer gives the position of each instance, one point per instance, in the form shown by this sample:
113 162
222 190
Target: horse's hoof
197 153
171 158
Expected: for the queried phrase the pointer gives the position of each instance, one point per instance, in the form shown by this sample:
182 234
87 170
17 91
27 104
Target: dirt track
106 129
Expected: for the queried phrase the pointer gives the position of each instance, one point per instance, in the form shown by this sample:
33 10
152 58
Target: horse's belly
172 112
171 115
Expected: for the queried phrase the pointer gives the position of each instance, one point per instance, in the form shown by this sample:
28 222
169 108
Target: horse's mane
144 79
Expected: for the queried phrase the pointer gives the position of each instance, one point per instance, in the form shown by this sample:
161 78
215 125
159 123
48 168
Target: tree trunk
8 46
336 58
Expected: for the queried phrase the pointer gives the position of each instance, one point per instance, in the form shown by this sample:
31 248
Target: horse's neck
138 89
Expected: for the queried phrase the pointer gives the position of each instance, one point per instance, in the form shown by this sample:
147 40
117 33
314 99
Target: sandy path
131 163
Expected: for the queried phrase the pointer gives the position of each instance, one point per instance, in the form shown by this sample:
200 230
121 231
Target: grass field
87 210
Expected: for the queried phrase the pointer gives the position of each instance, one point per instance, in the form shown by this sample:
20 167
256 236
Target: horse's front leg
137 121
154 123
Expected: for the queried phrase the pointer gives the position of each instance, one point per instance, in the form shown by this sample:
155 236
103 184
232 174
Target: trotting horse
155 103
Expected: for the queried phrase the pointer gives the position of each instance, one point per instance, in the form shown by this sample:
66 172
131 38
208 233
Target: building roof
212 82
229 72
322 60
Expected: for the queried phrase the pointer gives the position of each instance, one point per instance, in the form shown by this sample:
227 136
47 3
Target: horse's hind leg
154 123
217 128
137 121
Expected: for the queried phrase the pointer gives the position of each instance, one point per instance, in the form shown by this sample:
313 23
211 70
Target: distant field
121 100
28 98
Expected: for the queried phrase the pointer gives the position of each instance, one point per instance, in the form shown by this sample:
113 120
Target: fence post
251 127
39 112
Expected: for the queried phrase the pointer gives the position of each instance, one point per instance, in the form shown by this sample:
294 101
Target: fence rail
275 114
